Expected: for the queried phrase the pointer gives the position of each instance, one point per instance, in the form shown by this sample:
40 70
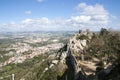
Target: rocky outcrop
67 55
75 48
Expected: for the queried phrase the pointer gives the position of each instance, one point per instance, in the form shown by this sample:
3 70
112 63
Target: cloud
81 5
91 16
40 0
28 12
81 18
92 9
43 24
97 12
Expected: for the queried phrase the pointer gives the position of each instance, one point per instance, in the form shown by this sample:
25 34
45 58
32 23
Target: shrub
82 37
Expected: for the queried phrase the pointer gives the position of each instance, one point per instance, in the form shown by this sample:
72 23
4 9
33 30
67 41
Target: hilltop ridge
77 61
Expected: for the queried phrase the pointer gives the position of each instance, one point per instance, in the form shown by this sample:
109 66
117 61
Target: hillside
87 56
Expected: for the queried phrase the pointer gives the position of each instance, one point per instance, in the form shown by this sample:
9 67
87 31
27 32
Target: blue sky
37 15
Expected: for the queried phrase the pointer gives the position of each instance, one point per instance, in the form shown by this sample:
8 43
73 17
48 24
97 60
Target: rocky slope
71 56
68 55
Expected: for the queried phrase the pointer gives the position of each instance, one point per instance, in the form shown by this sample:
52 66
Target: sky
58 15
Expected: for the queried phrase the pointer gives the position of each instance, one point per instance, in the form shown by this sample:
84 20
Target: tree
103 32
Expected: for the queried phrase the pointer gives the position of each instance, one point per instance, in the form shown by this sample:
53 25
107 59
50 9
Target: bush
82 37
100 64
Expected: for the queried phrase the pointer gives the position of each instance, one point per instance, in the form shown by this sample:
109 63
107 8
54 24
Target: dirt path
89 67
